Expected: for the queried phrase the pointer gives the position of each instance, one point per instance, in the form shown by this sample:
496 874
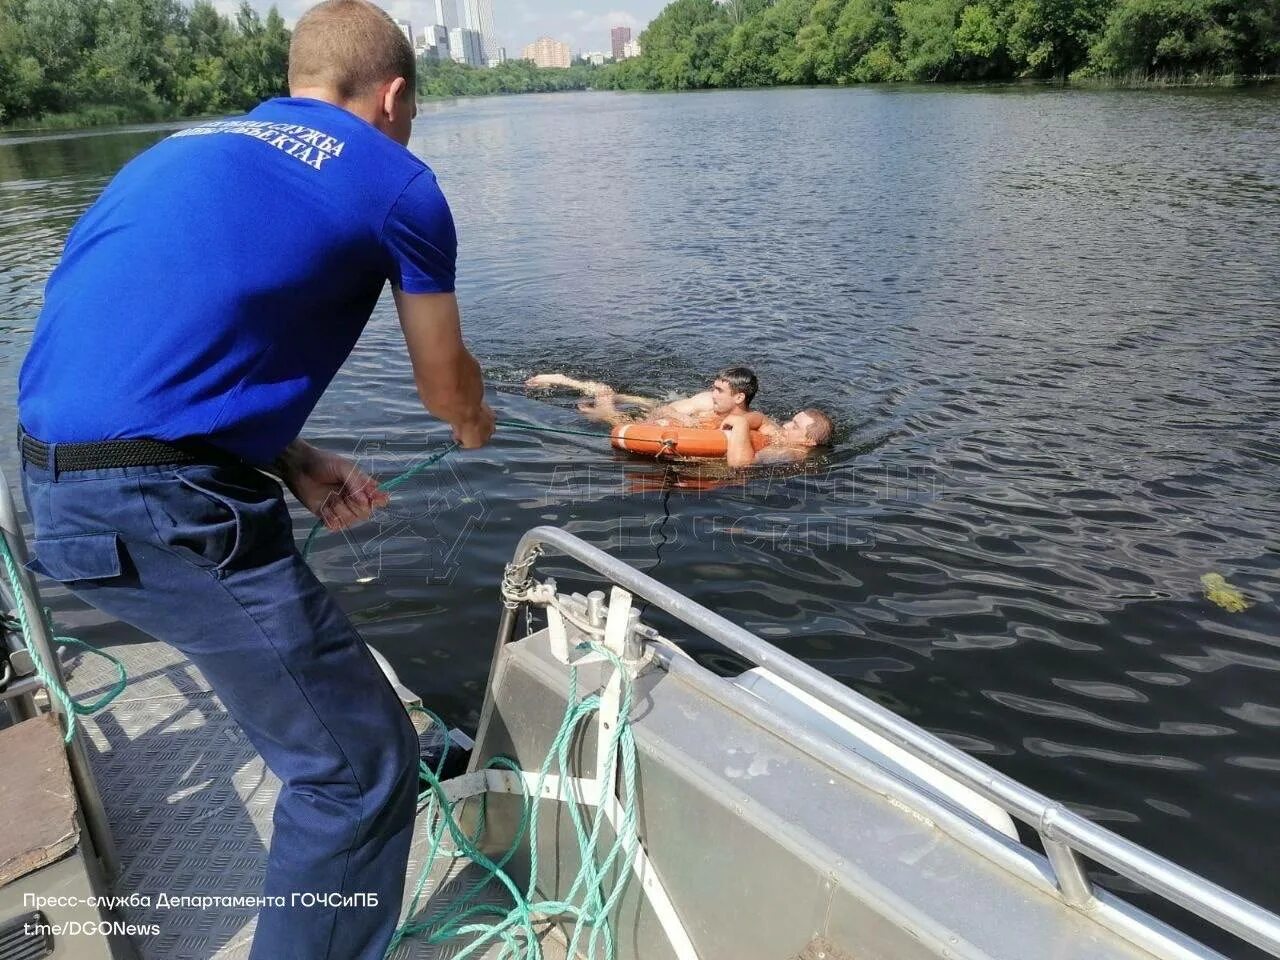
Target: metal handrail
95 814
1066 835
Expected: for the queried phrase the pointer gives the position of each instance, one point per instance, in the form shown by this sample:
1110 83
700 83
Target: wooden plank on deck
37 799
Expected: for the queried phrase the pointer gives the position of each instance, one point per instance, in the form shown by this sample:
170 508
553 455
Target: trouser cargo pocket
89 556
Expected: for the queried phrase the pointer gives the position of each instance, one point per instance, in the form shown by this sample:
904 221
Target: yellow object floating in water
1223 594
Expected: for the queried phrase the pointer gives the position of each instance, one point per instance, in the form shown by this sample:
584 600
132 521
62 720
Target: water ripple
1045 323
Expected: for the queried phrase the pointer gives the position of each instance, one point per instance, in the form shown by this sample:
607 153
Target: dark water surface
1046 324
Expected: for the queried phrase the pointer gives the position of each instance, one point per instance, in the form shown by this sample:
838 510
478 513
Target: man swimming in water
731 392
727 405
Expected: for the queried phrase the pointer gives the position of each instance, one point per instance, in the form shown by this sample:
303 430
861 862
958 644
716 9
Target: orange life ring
659 441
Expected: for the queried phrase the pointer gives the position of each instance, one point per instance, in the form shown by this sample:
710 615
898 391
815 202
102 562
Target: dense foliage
702 43
86 61
73 62
438 78
135 59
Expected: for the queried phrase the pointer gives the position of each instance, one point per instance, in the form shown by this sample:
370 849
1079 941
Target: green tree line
444 78
73 62
701 43
88 61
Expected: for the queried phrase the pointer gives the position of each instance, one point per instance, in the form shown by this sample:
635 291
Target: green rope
73 708
590 900
391 484
70 706
538 428
318 526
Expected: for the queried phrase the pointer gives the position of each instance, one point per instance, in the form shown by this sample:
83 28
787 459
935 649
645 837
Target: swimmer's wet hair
740 380
821 429
350 47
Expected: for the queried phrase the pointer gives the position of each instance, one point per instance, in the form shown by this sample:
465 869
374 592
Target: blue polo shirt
222 278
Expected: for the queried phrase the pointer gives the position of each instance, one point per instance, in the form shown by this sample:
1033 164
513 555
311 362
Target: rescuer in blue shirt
201 307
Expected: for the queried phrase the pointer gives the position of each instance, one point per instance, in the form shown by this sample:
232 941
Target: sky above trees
583 24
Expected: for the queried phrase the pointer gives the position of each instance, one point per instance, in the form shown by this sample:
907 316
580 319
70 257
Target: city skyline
583 24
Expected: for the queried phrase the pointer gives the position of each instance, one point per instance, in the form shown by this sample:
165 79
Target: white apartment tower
478 16
464 47
447 13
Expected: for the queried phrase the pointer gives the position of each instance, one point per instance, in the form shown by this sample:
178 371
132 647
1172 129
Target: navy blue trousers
203 558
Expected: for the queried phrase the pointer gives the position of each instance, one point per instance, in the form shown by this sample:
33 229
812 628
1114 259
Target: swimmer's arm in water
740 452
588 388
687 412
780 453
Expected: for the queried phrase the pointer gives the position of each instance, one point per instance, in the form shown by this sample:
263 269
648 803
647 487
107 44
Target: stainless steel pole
95 814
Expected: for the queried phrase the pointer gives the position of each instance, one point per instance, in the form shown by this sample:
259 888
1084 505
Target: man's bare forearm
588 388
459 398
740 452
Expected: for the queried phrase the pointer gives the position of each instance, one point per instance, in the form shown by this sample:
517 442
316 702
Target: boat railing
1066 836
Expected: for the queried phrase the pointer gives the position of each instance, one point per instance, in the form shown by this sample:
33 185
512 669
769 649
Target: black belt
118 453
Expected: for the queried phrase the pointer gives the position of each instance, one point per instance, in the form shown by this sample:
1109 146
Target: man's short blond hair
350 47
820 428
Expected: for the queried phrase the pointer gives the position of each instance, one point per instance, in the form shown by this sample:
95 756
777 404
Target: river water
1045 322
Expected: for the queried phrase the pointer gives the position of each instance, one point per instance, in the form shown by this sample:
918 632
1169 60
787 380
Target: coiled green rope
70 706
589 901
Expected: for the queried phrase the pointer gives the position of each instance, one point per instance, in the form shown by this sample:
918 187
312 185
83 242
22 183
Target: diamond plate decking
191 801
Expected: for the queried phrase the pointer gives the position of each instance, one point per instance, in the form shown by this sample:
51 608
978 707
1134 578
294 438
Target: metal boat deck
190 802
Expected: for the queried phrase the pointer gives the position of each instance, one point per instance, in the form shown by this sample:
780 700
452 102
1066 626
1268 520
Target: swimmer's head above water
788 442
732 390
808 428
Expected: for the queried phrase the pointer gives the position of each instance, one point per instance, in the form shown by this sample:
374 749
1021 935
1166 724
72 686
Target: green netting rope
318 526
70 706
539 428
591 898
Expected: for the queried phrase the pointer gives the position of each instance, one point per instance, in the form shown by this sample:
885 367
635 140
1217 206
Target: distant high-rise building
407 29
595 58
620 36
436 40
497 58
545 52
477 15
447 13
464 47
630 49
